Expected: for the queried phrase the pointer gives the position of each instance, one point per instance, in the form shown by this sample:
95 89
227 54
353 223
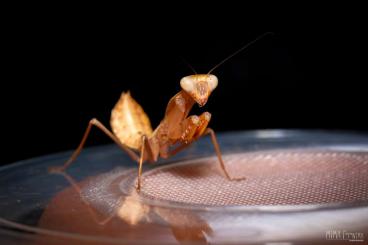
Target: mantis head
199 86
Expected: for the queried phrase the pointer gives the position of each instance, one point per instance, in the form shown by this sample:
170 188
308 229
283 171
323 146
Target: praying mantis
132 131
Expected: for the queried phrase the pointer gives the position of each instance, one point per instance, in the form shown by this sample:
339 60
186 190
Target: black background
60 70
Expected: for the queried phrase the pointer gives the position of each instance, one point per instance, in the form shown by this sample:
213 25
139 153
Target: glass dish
300 187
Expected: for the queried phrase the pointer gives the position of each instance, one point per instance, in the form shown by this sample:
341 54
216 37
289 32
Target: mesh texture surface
272 178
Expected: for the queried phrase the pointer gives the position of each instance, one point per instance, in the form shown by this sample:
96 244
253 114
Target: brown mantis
132 131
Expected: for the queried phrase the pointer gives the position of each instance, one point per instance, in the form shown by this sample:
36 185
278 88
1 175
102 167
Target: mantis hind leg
99 125
149 151
141 159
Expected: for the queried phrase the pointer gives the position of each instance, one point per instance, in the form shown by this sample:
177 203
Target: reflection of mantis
185 225
132 128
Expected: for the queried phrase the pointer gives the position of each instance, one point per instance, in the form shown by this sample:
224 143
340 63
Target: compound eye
212 82
187 84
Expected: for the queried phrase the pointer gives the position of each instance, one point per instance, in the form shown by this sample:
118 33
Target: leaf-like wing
129 122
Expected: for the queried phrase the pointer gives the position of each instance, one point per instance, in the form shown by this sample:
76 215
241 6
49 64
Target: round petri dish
288 187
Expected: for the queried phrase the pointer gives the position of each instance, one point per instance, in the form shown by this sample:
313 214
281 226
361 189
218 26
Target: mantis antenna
188 64
241 49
